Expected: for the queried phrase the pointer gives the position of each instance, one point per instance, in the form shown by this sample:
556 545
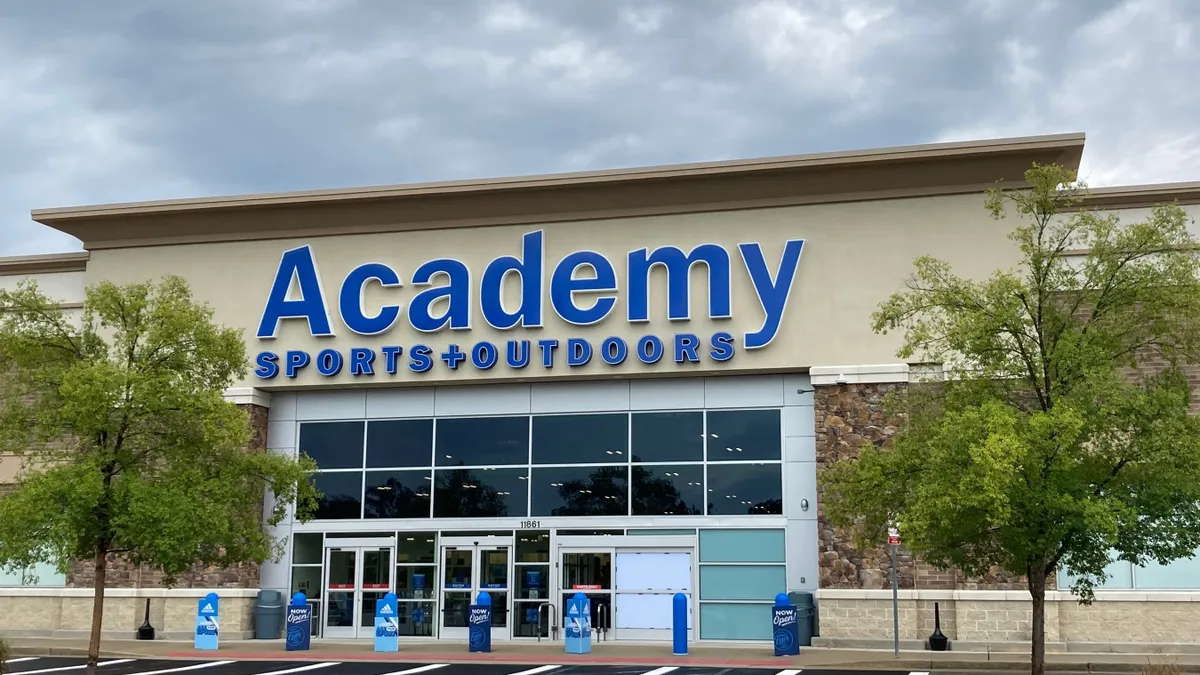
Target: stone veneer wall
847 417
123 574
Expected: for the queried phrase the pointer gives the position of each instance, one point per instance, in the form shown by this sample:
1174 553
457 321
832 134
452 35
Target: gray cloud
141 99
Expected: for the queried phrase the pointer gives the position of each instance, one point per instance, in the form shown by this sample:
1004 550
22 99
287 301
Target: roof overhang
886 173
44 264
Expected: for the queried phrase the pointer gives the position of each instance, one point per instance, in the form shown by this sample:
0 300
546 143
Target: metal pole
895 604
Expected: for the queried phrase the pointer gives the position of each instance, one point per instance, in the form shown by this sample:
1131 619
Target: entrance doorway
469 567
589 572
358 572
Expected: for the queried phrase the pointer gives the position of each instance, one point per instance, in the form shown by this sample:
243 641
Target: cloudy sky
127 100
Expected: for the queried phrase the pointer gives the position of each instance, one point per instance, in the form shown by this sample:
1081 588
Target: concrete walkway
917 662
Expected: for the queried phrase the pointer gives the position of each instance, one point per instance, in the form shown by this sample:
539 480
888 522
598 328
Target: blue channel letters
583 288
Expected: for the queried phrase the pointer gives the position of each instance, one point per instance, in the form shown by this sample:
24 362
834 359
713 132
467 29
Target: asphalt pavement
113 666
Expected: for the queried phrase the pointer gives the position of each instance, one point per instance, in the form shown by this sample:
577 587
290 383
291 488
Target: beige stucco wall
855 255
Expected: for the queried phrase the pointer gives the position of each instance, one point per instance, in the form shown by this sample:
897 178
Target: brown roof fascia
888 173
44 264
1142 196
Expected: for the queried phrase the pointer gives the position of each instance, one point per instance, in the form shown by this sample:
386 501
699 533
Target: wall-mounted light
803 504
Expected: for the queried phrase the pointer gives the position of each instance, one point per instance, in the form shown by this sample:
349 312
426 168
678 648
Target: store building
621 383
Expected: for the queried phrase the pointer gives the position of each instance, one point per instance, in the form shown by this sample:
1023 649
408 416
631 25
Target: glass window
743 435
580 491
668 437
397 494
745 489
306 580
308 549
1119 573
415 582
482 441
480 493
744 546
399 443
735 621
581 439
1181 574
742 582
341 495
668 490
533 546
333 445
415 547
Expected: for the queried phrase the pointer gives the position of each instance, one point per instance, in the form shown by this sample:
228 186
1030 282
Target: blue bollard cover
785 620
298 624
207 621
387 630
679 625
577 632
479 624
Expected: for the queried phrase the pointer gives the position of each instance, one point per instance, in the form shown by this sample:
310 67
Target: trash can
268 615
806 611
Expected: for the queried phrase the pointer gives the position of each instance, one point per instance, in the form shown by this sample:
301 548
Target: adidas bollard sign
387 630
577 634
207 621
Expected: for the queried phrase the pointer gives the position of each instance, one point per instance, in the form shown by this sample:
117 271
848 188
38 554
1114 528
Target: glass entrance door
467 570
356 576
591 573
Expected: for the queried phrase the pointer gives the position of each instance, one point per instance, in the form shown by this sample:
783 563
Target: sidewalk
612 654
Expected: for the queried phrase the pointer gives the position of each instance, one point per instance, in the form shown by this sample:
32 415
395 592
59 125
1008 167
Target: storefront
618 383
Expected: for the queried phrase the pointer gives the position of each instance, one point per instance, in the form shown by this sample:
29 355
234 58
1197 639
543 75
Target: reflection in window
480 493
397 494
739 435
533 546
580 491
745 489
668 437
415 582
399 443
482 441
673 490
341 495
415 547
333 445
581 439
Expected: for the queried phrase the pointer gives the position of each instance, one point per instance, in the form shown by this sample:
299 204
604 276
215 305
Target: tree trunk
1037 590
97 610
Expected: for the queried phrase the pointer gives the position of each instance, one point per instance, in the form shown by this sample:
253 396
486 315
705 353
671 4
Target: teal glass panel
735 621
1119 572
727 545
1183 574
742 582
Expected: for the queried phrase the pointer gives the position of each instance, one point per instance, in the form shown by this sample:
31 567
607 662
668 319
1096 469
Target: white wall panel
283 406
407 402
331 405
743 392
563 397
495 399
675 394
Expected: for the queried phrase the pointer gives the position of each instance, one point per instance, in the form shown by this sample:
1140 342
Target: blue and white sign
298 624
785 622
479 624
387 627
587 299
577 631
207 621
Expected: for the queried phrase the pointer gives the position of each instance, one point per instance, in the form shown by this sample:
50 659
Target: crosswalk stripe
661 671
79 667
22 659
535 671
301 669
919 672
418 669
197 666
793 672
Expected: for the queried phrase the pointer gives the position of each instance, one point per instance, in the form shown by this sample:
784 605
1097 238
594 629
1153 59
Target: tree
1059 436
129 447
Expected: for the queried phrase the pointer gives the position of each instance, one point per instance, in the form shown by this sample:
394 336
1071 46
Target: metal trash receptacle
806 611
268 615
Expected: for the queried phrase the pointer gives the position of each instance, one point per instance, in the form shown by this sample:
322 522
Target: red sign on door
375 587
340 587
586 587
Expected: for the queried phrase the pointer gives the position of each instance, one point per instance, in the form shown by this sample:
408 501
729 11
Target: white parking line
22 659
79 667
661 671
418 669
301 669
919 672
788 672
535 671
197 666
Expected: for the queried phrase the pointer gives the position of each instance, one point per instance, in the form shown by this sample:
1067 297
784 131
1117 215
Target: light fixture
803 504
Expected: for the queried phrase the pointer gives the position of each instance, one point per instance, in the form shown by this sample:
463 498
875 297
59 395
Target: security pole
894 543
